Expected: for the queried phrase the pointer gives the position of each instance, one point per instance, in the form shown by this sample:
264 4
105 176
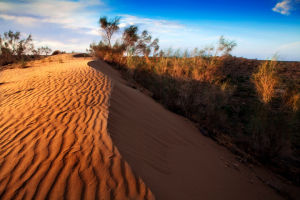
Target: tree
130 37
109 26
9 41
226 45
13 48
145 45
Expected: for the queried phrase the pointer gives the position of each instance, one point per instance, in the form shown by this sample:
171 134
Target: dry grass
266 80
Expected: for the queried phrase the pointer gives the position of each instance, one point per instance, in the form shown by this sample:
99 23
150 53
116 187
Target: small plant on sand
23 64
43 51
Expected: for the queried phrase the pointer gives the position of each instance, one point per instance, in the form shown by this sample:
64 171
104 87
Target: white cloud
171 33
94 31
152 25
292 45
28 21
68 14
283 7
289 51
71 45
77 16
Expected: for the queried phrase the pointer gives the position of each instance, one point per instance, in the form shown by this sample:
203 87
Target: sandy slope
170 154
53 138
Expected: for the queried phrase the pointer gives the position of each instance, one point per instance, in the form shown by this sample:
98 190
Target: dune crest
53 135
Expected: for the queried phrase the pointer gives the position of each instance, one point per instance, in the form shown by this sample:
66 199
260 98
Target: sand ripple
53 136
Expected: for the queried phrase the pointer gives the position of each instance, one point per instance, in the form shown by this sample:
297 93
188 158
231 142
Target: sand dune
65 125
54 142
170 154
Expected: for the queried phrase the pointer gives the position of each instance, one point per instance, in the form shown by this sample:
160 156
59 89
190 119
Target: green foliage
145 45
130 37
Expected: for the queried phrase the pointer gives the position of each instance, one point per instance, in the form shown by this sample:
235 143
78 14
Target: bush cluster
244 104
14 49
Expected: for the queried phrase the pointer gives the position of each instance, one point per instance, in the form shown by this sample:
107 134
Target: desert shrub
56 52
291 96
269 132
80 55
23 63
13 48
265 80
43 51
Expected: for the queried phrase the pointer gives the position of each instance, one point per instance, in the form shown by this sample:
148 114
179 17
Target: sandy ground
64 126
173 158
54 142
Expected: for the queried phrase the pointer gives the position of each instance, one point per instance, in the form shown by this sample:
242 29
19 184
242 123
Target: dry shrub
56 52
291 97
294 102
269 133
108 57
14 48
265 80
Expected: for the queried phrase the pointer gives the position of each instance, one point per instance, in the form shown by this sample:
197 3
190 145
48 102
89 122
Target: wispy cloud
28 21
285 7
71 45
68 14
289 51
153 25
60 24
170 33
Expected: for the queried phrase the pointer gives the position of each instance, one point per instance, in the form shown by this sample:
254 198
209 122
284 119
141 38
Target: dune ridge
169 153
54 142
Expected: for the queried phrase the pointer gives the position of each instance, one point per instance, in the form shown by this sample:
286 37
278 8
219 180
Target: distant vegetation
250 106
57 52
14 48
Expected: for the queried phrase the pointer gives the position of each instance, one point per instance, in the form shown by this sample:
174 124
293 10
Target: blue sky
261 28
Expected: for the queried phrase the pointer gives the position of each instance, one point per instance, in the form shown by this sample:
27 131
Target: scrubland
250 106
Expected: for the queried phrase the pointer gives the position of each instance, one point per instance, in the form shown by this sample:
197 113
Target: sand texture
169 153
54 142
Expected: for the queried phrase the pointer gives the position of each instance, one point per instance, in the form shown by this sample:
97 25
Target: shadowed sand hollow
53 135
